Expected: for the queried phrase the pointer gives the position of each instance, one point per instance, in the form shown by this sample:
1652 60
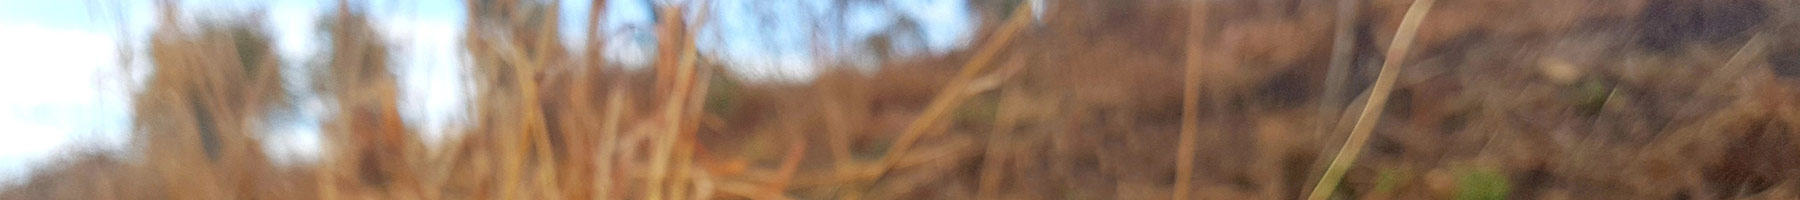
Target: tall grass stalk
1190 101
1371 113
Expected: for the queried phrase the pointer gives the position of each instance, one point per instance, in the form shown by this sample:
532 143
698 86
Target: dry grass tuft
1535 99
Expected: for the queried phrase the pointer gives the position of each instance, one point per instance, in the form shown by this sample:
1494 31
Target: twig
1371 114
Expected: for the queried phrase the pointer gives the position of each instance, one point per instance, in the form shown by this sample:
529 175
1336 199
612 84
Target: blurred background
78 54
899 99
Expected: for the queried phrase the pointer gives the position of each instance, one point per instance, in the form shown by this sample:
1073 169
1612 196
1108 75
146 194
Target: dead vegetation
1138 99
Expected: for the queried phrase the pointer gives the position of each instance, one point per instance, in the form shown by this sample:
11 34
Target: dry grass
1536 99
1378 95
1190 100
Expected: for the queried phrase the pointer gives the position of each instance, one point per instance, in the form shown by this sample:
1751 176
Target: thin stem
994 158
1343 46
953 92
1371 114
1190 101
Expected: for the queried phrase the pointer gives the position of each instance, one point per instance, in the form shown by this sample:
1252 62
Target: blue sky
67 85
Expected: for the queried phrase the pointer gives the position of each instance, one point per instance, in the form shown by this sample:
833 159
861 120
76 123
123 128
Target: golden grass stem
538 130
1371 113
592 54
690 124
994 158
531 140
511 163
947 99
682 88
326 181
839 132
953 92
609 134
1190 101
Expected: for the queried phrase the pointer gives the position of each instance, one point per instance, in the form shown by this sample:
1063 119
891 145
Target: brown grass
1644 99
1378 95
